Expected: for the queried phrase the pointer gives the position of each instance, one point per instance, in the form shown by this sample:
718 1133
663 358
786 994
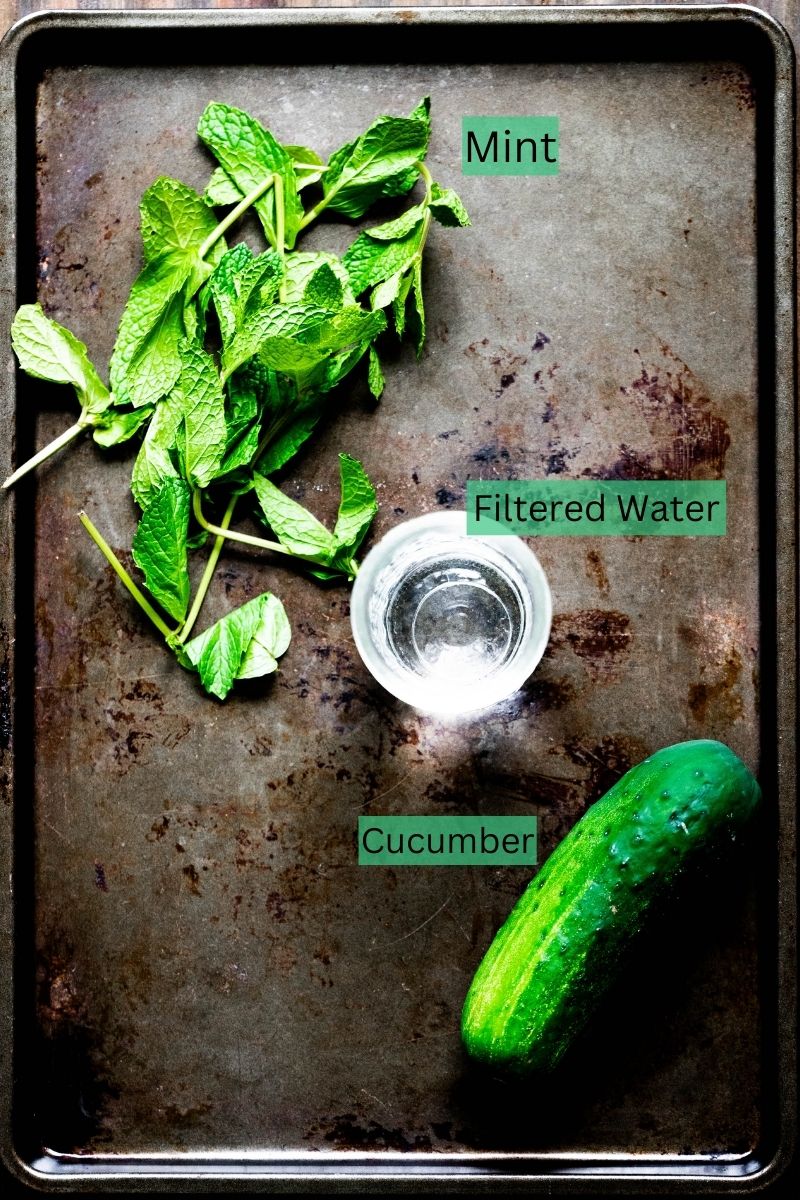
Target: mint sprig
225 359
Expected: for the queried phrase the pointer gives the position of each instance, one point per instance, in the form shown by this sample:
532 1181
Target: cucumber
566 938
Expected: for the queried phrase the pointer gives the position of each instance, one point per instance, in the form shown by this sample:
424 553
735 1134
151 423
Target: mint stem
112 559
314 212
57 444
427 179
280 233
222 531
235 213
247 539
211 566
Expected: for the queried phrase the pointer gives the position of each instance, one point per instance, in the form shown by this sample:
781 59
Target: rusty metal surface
214 973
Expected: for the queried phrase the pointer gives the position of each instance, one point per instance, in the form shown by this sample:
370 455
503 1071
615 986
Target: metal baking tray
207 991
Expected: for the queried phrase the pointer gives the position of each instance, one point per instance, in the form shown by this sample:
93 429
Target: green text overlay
598 508
446 841
509 145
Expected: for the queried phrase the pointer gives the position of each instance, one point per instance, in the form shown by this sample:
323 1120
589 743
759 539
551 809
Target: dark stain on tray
689 437
445 496
717 644
192 877
600 637
73 1089
556 458
718 698
353 1133
498 367
735 81
158 829
604 762
541 693
491 454
596 571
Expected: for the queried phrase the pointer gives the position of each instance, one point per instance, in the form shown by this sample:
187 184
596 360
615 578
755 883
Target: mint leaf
369 262
304 162
257 284
447 208
202 435
301 533
399 304
243 286
198 539
226 651
304 355
294 320
146 362
385 293
400 226
340 365
115 427
222 286
194 321
423 113
221 190
290 356
294 526
241 420
239 453
324 288
246 341
352 324
48 350
154 461
357 507
379 163
375 379
286 444
249 153
269 641
277 395
417 308
279 321
159 547
301 265
175 220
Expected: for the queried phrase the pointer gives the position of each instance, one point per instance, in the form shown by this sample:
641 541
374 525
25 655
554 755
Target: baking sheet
205 974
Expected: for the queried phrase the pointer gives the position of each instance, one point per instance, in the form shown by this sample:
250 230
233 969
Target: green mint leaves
159 547
382 162
226 359
447 207
47 350
306 537
146 362
247 152
357 507
245 644
175 220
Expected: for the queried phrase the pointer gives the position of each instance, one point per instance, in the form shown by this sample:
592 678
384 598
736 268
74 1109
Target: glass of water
447 621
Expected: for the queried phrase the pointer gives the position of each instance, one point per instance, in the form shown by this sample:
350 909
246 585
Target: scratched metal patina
214 968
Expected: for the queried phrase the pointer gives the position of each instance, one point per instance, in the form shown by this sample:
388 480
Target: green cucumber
563 944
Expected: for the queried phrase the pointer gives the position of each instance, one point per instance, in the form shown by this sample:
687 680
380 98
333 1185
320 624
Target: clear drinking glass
447 621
